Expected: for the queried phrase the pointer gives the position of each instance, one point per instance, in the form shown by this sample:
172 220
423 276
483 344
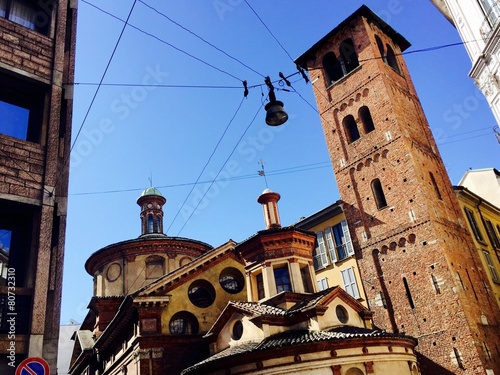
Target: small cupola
151 202
269 201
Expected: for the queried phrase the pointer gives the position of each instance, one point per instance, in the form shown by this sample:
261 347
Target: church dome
151 191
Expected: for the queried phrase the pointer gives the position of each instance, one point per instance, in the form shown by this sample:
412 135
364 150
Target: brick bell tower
420 270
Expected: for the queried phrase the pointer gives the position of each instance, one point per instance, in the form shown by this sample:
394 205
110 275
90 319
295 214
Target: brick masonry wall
21 168
418 265
25 49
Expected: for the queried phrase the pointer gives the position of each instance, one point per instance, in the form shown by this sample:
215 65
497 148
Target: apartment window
21 108
490 229
491 266
349 279
351 129
260 286
322 284
332 68
366 119
378 194
16 230
473 224
491 10
28 13
343 243
320 258
282 279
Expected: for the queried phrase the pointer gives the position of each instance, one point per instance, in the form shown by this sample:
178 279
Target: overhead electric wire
165 42
208 162
220 170
300 168
201 38
103 74
270 32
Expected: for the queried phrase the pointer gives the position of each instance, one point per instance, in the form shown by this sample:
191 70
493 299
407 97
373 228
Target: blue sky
198 120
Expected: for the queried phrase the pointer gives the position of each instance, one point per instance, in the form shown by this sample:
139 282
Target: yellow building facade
334 260
483 220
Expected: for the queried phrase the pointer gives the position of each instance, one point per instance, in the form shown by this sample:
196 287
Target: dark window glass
183 323
28 13
366 119
378 194
231 280
21 109
260 286
237 330
201 293
348 55
391 59
282 279
351 129
473 224
332 68
380 46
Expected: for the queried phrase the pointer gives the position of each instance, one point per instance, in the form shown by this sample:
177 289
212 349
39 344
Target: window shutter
349 280
347 238
322 284
321 250
330 244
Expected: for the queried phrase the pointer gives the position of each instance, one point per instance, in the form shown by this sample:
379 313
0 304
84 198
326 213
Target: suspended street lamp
275 114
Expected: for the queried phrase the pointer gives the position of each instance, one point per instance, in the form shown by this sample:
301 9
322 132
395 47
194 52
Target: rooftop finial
150 178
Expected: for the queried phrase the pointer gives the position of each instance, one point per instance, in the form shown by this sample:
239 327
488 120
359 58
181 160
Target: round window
237 330
342 314
183 323
231 280
201 293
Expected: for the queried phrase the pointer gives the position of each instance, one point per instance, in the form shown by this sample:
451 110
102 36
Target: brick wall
25 49
21 167
420 271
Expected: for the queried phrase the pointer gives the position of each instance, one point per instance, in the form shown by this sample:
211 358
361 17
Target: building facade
334 260
483 220
155 297
37 51
412 247
477 22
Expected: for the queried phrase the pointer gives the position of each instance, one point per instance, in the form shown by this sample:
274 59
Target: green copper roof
151 191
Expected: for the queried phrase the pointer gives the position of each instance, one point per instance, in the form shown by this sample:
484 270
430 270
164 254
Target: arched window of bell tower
380 46
378 194
351 128
332 68
150 224
366 119
348 55
391 59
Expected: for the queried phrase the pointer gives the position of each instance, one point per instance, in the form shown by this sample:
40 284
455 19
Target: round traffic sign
33 366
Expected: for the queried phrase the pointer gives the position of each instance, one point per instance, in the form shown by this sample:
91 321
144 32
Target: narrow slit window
408 293
351 129
366 119
434 184
378 194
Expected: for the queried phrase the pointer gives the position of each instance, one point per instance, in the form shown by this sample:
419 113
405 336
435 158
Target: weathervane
262 172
